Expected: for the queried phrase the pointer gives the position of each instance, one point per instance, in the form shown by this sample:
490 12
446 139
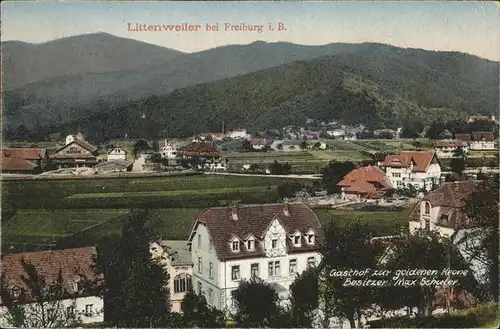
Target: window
235 273
199 265
199 288
444 219
182 283
210 296
199 241
293 266
396 175
89 309
310 238
16 292
250 244
311 262
254 270
211 270
274 269
274 243
427 206
296 240
236 246
70 311
210 245
427 224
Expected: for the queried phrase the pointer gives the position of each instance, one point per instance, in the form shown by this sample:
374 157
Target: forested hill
379 86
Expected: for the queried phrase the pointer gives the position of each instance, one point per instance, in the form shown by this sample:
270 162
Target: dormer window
235 246
250 244
296 239
310 237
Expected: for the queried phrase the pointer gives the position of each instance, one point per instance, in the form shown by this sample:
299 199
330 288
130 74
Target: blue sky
471 27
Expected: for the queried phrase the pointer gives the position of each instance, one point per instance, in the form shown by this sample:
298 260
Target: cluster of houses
477 141
275 242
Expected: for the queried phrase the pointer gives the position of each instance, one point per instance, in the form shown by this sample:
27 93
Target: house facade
483 141
421 169
176 258
274 242
77 153
442 209
238 134
447 148
202 155
74 264
117 153
365 183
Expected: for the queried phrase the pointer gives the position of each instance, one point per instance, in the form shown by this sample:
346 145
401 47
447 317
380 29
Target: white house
75 265
336 133
169 150
483 141
418 168
117 153
447 148
176 258
275 242
238 134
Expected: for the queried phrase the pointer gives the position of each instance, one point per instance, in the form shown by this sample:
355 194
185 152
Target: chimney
234 211
285 207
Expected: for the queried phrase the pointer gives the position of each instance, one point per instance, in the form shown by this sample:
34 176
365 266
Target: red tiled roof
421 160
452 194
255 220
200 149
16 164
463 137
23 153
368 180
483 135
452 143
73 264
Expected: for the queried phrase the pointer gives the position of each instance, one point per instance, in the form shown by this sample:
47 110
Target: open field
54 194
40 228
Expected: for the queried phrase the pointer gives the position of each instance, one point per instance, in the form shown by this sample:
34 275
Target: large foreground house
447 148
75 266
274 242
421 169
366 182
176 258
78 153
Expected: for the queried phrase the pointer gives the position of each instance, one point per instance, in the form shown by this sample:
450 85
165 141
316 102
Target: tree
346 248
246 145
482 242
304 145
277 168
457 163
136 287
156 146
288 189
304 299
334 172
40 304
140 145
280 146
256 304
197 313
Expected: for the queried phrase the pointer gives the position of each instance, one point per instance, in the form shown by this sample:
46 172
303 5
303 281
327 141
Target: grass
86 226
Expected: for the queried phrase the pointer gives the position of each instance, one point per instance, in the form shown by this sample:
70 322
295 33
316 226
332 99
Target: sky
471 27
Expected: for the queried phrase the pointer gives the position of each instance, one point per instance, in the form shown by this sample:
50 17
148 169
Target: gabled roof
178 251
463 137
255 219
73 264
452 143
420 159
16 164
89 147
117 147
24 153
200 149
478 136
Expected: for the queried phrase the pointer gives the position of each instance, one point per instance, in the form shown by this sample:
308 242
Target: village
275 242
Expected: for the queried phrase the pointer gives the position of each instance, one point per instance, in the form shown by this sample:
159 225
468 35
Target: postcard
250 164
